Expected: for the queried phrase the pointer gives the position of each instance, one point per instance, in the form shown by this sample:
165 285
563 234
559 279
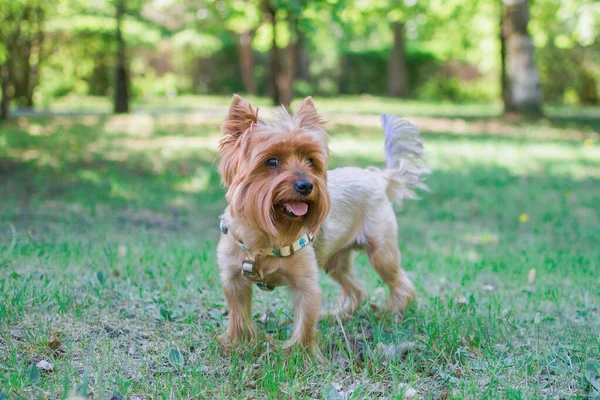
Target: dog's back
362 215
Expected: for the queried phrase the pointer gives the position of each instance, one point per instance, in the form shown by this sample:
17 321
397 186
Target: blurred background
89 54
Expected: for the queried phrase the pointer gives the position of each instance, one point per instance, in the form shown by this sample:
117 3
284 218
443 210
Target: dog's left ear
307 114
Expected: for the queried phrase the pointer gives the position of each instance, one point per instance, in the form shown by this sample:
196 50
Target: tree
242 20
22 32
5 100
4 80
521 91
247 61
282 72
397 64
361 18
121 94
566 35
289 21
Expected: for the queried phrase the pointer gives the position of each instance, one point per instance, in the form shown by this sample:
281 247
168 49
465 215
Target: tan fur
349 209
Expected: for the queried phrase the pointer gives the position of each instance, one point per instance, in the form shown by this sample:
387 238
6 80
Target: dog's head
275 172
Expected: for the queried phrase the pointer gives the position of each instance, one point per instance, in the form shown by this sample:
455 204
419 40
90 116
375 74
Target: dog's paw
307 353
228 344
333 314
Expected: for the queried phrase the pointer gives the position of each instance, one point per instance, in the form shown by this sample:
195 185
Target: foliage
452 47
568 31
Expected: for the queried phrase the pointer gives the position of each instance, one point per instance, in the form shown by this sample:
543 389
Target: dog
288 215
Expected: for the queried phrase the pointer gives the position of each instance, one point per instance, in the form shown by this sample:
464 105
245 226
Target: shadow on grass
69 165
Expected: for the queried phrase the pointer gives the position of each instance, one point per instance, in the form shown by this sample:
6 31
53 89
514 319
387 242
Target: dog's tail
405 159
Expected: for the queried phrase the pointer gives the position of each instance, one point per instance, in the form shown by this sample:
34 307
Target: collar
251 255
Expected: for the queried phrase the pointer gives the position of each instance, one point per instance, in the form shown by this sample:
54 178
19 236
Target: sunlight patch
197 183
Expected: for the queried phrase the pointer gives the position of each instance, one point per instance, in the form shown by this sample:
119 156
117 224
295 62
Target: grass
108 226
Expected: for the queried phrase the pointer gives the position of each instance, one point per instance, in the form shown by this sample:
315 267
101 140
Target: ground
108 277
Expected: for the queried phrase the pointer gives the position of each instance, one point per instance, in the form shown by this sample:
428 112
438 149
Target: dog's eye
310 161
272 163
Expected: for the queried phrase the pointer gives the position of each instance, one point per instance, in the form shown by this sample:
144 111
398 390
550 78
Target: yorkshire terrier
288 216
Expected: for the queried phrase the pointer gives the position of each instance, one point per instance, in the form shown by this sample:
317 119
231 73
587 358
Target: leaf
45 365
166 314
82 389
117 396
479 365
16 333
407 391
101 277
215 314
34 374
175 358
592 375
395 352
330 392
54 342
3 396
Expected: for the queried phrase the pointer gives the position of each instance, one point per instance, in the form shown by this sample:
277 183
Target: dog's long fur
349 209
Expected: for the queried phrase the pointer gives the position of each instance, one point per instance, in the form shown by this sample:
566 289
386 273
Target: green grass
108 227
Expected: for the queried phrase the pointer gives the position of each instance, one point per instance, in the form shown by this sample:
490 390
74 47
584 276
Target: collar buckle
248 267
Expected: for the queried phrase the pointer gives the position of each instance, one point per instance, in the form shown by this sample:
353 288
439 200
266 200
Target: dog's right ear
240 118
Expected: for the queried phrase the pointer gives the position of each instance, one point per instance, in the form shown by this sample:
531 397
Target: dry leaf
285 322
16 333
54 342
394 352
407 391
45 365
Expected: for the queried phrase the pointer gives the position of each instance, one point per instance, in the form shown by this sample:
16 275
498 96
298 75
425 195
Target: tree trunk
287 75
397 64
282 74
521 83
27 55
587 89
20 72
121 99
5 101
275 62
302 60
38 43
247 62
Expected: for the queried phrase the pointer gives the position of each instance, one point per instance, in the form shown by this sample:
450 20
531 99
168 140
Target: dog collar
285 251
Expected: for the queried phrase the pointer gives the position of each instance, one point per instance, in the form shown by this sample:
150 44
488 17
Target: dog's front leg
238 292
306 295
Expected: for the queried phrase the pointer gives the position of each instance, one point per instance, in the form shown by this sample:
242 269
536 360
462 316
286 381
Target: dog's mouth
295 209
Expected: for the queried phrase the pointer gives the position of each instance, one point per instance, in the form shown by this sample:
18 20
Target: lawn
108 276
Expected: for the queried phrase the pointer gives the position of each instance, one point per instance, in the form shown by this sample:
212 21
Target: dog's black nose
304 186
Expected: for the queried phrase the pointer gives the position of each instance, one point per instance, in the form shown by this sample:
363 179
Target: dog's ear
240 117
307 114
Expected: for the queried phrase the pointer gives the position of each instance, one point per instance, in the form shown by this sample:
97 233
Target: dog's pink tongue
298 208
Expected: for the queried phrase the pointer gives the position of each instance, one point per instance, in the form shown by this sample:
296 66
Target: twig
13 242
